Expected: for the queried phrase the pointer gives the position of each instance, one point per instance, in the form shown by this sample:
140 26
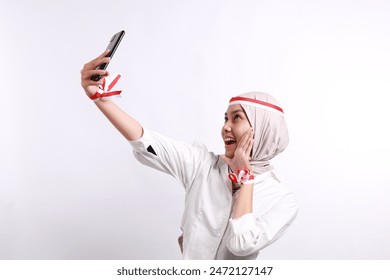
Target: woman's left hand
242 153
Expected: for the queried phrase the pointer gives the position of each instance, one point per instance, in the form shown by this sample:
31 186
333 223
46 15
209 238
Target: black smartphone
112 46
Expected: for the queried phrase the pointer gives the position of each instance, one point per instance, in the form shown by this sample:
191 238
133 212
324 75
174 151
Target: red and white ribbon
244 177
256 103
104 90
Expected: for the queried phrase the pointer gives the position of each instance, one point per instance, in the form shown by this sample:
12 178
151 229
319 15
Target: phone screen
112 46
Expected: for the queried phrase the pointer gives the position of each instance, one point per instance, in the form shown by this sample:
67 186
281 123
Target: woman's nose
227 127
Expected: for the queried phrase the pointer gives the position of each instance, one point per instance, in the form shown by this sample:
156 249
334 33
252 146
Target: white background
69 185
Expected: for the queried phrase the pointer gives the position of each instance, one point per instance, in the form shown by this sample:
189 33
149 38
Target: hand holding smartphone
112 46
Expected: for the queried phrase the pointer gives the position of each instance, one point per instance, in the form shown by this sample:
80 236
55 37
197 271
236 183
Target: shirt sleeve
179 159
250 233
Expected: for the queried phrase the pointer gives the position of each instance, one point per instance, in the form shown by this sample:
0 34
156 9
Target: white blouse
208 230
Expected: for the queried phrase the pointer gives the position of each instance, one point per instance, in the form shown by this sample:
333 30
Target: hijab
270 130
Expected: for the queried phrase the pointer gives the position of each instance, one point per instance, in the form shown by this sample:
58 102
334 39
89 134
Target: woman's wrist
242 177
105 89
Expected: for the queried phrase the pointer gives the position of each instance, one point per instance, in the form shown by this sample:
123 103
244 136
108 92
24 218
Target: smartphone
112 46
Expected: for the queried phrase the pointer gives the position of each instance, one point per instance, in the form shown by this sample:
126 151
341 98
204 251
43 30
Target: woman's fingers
91 69
103 56
249 143
243 151
245 140
105 53
86 77
87 74
101 59
93 64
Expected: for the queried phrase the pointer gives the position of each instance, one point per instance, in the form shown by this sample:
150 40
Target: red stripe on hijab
240 98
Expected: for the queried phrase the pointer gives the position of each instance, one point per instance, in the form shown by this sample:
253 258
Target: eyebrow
235 111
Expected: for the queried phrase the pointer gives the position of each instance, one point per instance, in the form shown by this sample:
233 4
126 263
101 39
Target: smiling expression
236 124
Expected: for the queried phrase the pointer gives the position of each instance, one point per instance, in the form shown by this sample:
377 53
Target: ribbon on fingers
104 90
244 177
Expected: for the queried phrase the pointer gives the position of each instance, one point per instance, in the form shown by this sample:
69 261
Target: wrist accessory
104 89
244 177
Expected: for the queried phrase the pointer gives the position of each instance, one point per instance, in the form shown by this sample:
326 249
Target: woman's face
236 124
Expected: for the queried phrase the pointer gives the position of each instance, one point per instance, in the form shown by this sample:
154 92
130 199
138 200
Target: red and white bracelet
244 177
104 90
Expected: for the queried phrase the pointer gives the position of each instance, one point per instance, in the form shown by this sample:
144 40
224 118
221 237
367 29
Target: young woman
235 205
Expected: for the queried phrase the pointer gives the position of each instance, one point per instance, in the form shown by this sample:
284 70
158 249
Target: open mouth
229 141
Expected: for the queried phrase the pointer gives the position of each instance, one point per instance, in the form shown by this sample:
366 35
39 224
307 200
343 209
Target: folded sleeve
179 159
252 232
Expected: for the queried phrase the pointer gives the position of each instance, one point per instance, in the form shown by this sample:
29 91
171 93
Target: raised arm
130 128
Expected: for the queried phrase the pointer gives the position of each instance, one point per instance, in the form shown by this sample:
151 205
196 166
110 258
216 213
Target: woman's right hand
241 158
90 87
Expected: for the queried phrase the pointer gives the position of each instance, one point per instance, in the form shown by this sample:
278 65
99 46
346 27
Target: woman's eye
236 117
226 119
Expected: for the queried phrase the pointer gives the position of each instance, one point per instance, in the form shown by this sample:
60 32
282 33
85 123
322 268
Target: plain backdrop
69 185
